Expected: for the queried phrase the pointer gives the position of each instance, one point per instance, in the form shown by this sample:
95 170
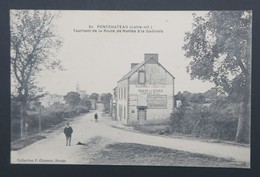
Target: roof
132 71
135 68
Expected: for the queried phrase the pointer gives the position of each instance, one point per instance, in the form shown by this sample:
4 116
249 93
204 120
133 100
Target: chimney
133 65
148 56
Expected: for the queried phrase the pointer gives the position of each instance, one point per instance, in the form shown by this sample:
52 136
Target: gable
137 67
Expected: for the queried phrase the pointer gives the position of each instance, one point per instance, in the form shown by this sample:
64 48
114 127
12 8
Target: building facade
50 99
93 104
145 94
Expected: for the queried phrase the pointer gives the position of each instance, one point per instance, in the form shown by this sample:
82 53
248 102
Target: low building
145 94
178 103
93 104
100 106
50 99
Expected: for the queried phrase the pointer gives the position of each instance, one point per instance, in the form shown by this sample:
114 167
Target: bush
206 121
50 116
15 130
82 109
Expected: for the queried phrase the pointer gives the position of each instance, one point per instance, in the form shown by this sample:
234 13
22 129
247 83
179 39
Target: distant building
100 106
145 94
50 99
82 93
93 104
178 103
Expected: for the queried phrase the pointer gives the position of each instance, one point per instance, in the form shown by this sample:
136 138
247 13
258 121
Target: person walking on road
68 132
96 117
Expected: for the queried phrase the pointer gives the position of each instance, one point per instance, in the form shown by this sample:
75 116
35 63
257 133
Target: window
120 112
141 77
124 112
124 92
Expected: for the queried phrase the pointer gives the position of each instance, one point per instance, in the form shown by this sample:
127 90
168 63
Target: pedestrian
68 132
96 117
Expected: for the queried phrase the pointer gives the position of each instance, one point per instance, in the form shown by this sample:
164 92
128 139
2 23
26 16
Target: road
96 136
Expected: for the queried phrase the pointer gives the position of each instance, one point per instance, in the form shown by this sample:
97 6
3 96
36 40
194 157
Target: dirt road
96 136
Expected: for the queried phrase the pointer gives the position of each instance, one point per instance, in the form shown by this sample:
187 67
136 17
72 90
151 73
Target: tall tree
33 45
219 47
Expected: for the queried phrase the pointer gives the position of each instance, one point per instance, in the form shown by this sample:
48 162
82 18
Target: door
141 114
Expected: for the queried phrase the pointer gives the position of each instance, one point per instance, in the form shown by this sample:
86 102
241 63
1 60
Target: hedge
205 122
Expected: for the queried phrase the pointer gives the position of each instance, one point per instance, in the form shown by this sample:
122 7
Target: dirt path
97 135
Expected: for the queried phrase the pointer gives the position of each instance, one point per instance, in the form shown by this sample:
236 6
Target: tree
211 94
105 98
197 98
178 96
33 45
85 102
72 98
220 48
94 96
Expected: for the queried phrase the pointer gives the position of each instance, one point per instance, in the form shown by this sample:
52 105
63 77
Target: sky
97 60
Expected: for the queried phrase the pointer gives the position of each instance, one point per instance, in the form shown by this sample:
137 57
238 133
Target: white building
145 94
50 99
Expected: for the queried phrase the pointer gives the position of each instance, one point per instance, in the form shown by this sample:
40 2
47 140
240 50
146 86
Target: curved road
52 150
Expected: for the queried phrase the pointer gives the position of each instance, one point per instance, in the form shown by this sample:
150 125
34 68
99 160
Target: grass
154 129
137 154
21 143
165 130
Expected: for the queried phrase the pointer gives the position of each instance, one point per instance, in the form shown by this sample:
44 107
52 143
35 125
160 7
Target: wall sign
157 101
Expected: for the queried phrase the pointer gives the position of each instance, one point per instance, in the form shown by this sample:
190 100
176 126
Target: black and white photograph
131 88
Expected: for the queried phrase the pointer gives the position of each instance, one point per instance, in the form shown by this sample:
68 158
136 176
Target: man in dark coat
96 117
68 132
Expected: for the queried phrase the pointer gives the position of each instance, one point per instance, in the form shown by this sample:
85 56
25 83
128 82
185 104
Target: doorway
141 114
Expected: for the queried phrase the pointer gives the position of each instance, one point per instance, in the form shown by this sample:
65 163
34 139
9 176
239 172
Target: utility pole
40 120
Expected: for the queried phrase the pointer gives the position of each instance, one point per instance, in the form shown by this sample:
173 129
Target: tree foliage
72 98
94 96
215 116
105 98
85 102
33 45
220 48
